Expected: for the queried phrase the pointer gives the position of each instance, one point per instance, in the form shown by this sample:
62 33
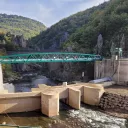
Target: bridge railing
49 57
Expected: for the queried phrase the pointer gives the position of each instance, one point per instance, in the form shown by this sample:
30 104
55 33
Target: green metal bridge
48 57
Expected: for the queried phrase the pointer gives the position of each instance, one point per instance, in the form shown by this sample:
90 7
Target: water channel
86 117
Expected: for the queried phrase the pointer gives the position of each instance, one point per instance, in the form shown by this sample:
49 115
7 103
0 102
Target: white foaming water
96 119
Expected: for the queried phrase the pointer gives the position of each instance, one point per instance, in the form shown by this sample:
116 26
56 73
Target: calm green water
86 117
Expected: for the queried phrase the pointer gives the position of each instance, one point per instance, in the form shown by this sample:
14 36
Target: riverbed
86 117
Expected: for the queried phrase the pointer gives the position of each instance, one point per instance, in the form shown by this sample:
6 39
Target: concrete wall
20 102
118 70
1 80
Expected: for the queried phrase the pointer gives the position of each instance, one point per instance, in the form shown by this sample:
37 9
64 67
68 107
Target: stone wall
114 102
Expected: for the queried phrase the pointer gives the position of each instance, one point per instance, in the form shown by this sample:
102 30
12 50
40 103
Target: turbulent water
96 119
86 117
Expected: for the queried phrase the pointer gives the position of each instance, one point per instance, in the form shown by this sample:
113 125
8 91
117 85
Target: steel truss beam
48 57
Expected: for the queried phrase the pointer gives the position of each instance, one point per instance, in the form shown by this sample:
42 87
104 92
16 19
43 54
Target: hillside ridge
58 33
19 25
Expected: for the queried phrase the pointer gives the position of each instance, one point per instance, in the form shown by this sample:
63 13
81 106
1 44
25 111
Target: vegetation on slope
7 42
19 25
54 36
80 31
112 23
8 73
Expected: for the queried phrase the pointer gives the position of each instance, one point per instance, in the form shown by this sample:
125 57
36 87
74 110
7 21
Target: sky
46 11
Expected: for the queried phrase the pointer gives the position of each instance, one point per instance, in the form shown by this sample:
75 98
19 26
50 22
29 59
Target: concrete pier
92 95
74 98
50 104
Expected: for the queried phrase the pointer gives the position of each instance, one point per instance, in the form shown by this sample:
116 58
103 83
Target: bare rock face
21 67
69 71
98 47
19 41
57 44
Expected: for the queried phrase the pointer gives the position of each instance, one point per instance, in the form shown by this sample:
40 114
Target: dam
47 98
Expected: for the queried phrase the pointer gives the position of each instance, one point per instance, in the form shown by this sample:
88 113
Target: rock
54 121
49 125
114 101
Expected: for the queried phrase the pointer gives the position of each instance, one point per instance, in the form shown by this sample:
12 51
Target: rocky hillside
57 34
11 42
80 31
19 25
111 23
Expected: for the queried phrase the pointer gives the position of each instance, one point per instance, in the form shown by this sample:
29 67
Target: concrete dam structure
116 69
46 98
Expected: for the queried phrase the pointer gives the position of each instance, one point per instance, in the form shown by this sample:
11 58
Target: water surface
86 117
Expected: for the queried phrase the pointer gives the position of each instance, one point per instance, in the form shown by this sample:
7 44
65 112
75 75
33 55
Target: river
86 117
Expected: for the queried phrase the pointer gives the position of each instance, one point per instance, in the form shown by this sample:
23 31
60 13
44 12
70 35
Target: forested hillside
11 42
19 25
14 32
80 31
111 23
54 36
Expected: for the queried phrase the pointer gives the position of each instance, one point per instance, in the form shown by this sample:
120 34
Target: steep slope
111 23
18 25
54 36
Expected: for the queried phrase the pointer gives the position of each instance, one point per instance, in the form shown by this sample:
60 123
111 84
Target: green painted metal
48 57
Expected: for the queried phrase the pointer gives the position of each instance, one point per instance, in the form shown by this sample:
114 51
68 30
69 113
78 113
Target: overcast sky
46 11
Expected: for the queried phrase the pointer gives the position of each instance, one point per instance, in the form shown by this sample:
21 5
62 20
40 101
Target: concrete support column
96 70
64 83
74 98
92 95
50 104
1 79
